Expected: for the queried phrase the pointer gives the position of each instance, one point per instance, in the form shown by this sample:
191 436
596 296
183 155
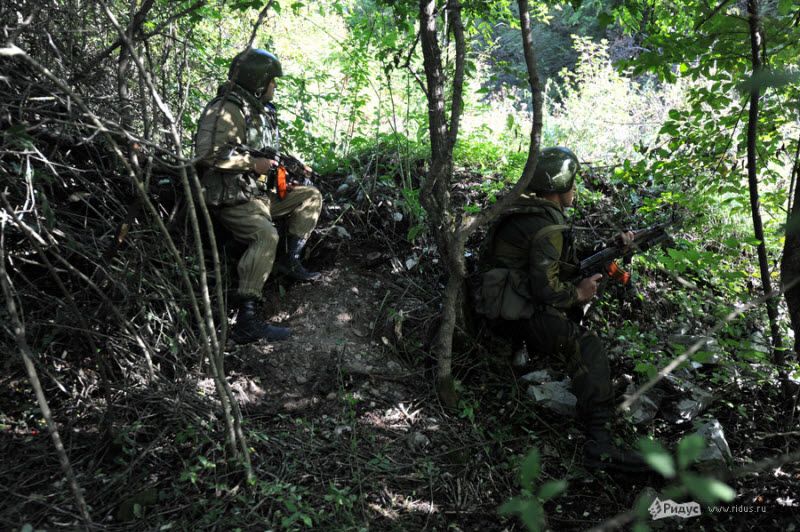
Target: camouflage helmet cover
253 68
555 171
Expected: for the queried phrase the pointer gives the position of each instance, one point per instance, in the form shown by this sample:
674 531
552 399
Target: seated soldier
240 120
528 260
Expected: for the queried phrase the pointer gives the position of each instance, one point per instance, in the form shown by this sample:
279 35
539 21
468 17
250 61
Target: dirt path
336 327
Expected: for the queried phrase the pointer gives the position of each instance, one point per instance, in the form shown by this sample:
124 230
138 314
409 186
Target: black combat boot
250 328
289 264
600 452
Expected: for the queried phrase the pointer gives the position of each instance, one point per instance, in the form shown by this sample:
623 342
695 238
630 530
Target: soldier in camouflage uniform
235 185
528 262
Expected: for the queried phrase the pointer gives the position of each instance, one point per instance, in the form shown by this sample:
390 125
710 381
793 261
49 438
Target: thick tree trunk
752 132
790 265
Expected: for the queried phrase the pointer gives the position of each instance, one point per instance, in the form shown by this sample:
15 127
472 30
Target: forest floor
346 431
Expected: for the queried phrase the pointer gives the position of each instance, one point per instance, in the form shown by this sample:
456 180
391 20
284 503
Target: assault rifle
290 170
604 261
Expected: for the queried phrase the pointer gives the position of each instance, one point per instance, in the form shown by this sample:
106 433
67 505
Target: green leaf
533 516
689 449
785 6
530 468
206 463
512 506
707 490
658 457
605 19
551 489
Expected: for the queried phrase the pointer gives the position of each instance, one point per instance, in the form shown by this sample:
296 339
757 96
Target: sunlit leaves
707 490
658 457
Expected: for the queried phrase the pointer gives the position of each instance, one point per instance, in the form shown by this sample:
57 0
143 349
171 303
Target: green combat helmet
253 68
555 171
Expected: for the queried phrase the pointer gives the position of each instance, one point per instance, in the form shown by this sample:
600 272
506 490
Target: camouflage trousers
574 348
251 223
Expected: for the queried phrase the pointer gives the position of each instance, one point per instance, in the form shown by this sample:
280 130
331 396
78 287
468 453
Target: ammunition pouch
227 189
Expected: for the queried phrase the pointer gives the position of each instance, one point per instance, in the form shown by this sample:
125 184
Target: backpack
504 293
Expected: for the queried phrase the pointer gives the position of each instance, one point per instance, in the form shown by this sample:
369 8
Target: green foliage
293 510
658 457
703 489
528 505
602 112
700 153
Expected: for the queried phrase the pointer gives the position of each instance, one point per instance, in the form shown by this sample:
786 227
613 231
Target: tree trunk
790 265
435 192
752 132
450 231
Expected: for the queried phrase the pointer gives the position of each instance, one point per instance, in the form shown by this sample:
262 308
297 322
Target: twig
116 44
27 357
212 342
677 361
777 435
716 10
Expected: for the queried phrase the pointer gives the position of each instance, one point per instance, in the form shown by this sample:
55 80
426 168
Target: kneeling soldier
234 131
528 259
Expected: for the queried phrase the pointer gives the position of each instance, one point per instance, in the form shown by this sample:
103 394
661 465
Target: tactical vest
505 292
224 188
261 120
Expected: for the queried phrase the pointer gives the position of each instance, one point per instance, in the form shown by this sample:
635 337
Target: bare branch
27 357
458 81
471 223
677 361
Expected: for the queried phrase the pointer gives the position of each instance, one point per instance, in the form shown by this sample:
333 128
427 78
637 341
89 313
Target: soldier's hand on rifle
308 173
262 165
587 288
626 238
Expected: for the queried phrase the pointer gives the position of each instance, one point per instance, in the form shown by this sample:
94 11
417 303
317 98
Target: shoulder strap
234 99
487 247
549 230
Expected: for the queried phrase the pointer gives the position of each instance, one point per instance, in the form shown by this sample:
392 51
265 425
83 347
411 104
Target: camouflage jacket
233 119
526 260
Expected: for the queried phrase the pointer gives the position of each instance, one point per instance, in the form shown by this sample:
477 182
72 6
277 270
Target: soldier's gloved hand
587 288
262 166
